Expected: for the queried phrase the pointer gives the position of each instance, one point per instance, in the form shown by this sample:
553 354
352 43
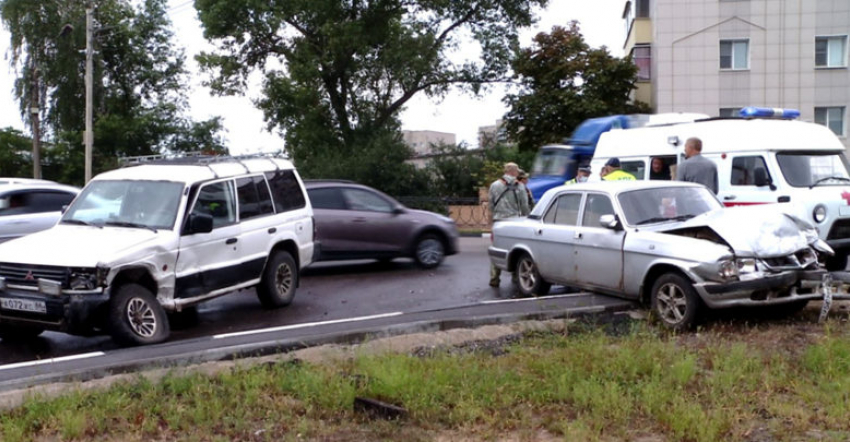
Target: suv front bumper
77 313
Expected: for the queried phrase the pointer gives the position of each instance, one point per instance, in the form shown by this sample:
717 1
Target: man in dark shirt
696 168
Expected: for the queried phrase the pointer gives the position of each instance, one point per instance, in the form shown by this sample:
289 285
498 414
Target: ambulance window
749 171
661 168
636 168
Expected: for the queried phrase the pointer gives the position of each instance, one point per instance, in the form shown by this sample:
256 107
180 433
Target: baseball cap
613 162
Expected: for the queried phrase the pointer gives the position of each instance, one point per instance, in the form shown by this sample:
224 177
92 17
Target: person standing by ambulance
697 168
507 199
615 173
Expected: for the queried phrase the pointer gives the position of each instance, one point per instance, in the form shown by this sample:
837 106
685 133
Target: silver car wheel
141 317
527 278
672 303
283 279
430 251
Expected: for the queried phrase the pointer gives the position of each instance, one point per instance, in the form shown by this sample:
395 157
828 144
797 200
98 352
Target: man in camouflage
507 199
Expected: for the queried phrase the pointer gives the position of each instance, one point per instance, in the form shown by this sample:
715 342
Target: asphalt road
328 291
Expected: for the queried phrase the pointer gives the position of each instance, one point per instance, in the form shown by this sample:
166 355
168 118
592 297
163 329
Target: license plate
23 305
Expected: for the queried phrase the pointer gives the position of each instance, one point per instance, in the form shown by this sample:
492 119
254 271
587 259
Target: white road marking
307 324
52 360
542 298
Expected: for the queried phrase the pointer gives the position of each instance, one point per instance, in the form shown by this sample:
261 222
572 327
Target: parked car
357 222
671 245
28 206
154 238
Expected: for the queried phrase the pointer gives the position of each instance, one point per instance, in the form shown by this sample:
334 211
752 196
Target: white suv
154 238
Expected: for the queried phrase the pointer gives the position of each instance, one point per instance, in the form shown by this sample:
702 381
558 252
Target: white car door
258 225
29 211
210 261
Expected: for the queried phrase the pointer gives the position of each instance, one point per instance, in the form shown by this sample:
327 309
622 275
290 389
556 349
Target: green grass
575 386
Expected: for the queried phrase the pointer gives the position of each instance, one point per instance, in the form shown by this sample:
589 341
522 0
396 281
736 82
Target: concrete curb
270 347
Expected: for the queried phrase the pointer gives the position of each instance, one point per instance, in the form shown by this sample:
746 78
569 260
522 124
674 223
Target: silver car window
564 210
596 206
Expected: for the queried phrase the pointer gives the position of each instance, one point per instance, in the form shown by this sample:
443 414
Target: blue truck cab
557 163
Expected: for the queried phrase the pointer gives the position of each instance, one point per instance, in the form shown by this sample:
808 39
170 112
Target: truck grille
29 274
840 229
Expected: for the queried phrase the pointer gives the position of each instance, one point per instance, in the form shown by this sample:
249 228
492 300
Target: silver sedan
671 245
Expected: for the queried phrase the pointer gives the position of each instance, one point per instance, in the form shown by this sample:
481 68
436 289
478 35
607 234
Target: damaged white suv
154 238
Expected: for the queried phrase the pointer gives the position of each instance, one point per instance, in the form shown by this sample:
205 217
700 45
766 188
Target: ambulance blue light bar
767 112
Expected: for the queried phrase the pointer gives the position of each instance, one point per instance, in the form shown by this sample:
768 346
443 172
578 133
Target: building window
735 54
642 8
831 117
729 112
831 52
642 57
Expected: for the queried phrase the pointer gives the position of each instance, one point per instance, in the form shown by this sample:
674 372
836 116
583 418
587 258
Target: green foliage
496 157
140 79
562 82
337 74
15 153
455 171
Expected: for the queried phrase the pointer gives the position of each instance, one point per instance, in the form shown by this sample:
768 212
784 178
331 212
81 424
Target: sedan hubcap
672 303
283 279
526 275
430 251
141 317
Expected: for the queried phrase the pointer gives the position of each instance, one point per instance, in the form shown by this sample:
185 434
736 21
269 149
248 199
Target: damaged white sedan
670 245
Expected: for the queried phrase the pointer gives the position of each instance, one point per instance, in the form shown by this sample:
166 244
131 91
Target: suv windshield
806 169
553 162
666 204
142 204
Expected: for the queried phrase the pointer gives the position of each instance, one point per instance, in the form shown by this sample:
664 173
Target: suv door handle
729 197
231 241
578 235
272 230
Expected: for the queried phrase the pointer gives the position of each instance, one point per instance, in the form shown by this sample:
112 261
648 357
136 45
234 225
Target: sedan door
599 250
553 240
374 226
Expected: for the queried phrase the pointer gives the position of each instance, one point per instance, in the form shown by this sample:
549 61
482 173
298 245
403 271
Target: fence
468 213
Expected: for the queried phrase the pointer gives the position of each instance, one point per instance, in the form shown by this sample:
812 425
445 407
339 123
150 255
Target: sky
457 113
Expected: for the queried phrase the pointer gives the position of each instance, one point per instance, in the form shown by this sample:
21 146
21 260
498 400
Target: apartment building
717 56
421 141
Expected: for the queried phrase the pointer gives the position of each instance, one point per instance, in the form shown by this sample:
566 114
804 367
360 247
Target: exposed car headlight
819 214
746 266
83 281
728 269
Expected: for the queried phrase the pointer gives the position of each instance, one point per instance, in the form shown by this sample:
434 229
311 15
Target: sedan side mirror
64 209
609 221
200 223
398 210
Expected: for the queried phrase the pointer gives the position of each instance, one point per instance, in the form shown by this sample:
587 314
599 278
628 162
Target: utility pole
35 122
89 136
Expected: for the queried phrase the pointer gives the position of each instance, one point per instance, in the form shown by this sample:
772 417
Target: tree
140 78
15 153
337 73
562 82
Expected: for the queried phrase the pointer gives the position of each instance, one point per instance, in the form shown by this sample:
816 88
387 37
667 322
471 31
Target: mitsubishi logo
29 276
846 197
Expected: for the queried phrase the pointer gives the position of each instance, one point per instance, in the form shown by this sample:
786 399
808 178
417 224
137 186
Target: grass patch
575 386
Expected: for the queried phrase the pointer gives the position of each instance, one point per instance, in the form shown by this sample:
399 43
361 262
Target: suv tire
280 278
10 333
136 318
429 251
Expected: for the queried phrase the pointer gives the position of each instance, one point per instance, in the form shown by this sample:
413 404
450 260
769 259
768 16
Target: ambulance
765 156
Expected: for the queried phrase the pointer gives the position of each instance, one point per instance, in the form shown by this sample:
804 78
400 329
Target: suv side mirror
609 221
200 223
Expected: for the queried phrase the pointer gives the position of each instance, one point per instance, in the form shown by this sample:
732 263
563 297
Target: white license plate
24 305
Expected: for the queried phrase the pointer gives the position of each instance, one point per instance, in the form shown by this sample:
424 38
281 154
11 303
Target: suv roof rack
194 159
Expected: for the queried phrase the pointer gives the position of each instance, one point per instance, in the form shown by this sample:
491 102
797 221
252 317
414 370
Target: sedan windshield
807 169
134 204
666 204
552 162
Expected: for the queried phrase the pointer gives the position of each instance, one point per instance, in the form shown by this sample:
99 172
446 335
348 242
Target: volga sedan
671 245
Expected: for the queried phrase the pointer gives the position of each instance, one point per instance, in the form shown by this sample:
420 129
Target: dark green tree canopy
338 72
562 82
140 79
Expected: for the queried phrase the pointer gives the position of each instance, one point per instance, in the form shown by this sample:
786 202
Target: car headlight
728 269
83 281
819 214
746 266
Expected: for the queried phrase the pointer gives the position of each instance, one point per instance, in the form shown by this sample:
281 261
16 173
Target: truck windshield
552 162
132 204
808 169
